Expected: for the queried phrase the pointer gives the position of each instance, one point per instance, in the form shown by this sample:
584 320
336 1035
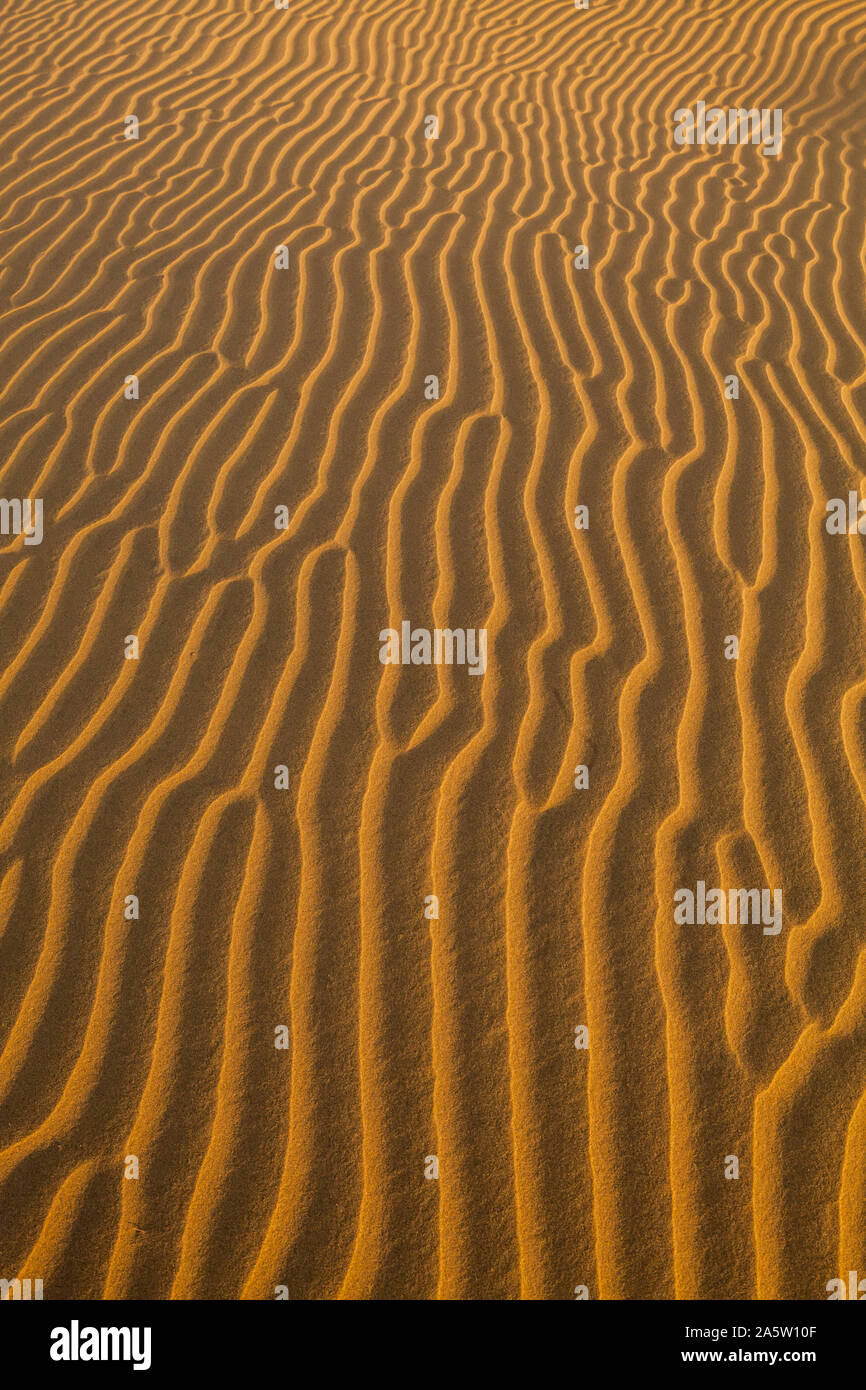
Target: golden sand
297 906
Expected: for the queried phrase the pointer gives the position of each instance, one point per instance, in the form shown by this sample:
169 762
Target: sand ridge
297 900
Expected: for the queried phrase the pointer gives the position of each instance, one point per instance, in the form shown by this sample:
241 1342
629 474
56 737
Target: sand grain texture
304 387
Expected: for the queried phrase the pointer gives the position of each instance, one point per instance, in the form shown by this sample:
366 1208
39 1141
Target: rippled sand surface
280 925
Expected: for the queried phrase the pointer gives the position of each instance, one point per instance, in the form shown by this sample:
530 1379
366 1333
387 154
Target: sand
296 947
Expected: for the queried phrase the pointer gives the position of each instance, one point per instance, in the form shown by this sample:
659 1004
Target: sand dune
155 1140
